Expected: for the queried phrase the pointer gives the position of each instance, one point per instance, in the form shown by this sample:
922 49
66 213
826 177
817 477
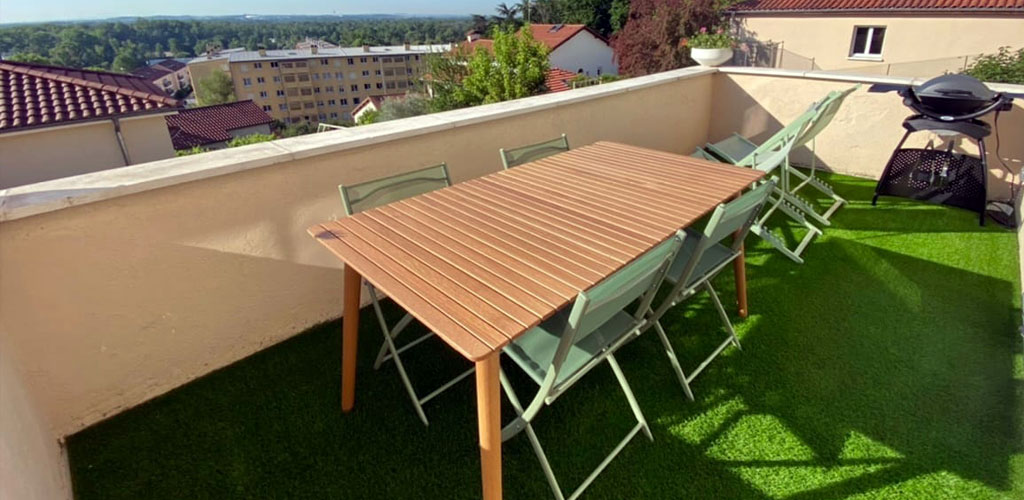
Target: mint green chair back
378 192
824 112
774 151
525 154
563 349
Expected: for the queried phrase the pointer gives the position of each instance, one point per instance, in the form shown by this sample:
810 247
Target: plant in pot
710 47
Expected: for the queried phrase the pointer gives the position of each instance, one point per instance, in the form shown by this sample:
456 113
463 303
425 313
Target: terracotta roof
209 124
558 80
376 100
471 47
159 70
36 95
880 5
554 35
171 64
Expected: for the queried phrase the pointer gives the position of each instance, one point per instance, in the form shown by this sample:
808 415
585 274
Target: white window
867 42
339 75
282 107
353 75
334 115
245 67
263 94
247 82
267 107
257 65
277 79
326 76
280 93
260 79
366 72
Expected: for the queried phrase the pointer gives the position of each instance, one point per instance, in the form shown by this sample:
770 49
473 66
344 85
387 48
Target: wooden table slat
482 261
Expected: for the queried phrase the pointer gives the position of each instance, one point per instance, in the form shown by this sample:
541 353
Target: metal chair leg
683 380
630 397
722 314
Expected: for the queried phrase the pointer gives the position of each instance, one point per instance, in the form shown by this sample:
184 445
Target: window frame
868 40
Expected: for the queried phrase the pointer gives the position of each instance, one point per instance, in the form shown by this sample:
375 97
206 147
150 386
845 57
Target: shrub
1006 66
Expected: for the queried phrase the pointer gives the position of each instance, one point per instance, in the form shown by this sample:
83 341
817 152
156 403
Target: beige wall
55 152
32 462
863 133
111 303
942 40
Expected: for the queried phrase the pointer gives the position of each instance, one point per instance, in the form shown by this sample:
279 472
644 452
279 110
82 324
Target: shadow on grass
883 366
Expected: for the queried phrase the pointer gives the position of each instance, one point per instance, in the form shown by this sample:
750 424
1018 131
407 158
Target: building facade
58 122
917 38
314 84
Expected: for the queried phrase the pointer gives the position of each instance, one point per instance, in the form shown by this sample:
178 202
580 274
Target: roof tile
35 95
211 124
880 5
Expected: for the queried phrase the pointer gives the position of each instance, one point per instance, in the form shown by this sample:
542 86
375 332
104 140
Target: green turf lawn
887 366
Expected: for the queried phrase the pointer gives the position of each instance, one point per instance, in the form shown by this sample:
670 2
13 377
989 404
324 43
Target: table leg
488 411
740 269
350 338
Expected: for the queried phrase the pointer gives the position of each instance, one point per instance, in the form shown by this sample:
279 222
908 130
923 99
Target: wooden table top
484 260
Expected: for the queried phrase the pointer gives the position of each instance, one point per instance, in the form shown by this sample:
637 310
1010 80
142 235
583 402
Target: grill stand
936 176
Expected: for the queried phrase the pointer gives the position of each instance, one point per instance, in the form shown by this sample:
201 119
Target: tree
507 13
125 62
29 57
446 73
593 13
215 88
618 14
413 104
516 68
369 117
245 140
1006 66
651 40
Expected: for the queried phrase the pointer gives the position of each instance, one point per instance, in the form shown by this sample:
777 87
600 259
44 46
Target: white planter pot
710 57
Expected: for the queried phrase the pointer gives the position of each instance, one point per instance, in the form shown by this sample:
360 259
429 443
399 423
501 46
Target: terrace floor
887 366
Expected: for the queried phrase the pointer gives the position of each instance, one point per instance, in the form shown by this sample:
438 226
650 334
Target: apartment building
317 84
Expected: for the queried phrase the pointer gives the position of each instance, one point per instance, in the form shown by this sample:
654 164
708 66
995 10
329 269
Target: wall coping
58 194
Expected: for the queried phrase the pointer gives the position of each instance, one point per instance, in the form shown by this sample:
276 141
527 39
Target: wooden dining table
481 262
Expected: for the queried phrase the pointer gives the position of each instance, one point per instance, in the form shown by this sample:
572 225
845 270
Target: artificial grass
887 366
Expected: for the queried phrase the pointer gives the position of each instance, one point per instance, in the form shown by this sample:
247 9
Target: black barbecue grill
948 105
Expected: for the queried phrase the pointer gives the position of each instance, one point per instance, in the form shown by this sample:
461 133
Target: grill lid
953 98
955 87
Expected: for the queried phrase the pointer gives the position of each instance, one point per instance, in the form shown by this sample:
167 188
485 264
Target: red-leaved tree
650 40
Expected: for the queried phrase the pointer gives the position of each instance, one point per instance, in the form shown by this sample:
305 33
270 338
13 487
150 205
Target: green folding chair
772 157
360 197
701 258
736 147
559 352
525 154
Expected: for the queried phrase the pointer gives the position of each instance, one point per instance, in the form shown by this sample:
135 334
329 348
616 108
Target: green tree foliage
194 150
651 40
30 57
413 104
447 71
125 62
99 43
371 116
249 139
1006 66
216 88
515 68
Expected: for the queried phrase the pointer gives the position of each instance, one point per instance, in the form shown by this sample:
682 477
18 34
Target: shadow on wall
751 51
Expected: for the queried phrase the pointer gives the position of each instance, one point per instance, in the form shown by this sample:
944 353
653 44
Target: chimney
366 48
406 45
314 49
472 36
263 52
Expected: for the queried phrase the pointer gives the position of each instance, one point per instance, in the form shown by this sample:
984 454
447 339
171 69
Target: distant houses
572 47
170 75
58 122
212 127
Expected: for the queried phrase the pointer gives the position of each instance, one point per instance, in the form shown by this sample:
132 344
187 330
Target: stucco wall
32 462
942 40
864 132
585 51
52 153
111 303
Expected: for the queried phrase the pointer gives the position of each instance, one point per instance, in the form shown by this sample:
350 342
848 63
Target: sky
17 11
